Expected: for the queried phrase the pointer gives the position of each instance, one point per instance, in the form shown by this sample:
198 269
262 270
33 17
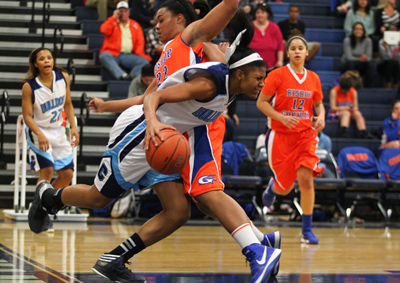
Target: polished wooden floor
196 253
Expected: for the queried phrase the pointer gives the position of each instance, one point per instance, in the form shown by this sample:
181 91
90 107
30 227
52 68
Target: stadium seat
364 181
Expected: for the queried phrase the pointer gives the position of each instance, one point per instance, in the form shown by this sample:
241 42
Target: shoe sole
272 262
305 241
111 277
38 218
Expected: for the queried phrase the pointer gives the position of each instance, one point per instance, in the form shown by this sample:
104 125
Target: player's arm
320 119
200 88
211 25
27 113
98 105
213 52
263 104
69 111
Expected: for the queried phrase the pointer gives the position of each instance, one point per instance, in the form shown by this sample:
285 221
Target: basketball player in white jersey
191 97
45 96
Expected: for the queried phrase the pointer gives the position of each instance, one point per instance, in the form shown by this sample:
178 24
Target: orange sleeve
318 95
271 82
106 28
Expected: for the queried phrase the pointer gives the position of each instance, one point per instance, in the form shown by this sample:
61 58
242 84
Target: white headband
246 60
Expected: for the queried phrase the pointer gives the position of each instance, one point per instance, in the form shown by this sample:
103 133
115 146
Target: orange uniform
203 172
288 149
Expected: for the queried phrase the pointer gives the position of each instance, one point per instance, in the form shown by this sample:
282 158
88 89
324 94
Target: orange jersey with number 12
293 95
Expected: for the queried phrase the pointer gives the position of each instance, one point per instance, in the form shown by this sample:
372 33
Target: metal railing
83 118
72 71
5 113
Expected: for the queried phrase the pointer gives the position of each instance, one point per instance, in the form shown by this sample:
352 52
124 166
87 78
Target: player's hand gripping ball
169 156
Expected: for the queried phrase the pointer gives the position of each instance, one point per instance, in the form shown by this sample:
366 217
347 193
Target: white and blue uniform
47 113
124 164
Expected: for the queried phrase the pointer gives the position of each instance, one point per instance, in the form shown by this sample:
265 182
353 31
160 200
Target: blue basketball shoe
262 261
309 238
269 196
273 240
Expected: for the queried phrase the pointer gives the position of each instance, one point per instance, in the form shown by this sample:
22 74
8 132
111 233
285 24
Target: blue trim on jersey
201 145
43 162
34 148
128 129
60 76
218 70
64 163
34 86
134 143
152 177
266 148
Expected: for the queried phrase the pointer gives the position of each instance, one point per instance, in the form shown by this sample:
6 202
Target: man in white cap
122 52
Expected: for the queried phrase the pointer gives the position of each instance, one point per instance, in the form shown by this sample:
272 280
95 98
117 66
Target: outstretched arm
211 25
98 105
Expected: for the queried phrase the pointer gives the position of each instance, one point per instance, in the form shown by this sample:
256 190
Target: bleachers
321 26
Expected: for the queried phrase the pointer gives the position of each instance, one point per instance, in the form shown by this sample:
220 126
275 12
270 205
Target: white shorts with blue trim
59 154
124 165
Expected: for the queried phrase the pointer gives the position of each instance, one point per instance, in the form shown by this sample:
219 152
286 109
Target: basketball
169 156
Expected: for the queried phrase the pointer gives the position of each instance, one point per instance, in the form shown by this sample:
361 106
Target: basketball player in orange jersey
172 19
287 99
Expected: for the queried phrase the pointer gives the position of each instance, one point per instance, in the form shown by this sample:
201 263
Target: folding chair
324 187
359 167
389 162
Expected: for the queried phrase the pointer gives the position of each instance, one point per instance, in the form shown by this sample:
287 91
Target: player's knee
46 173
179 216
66 175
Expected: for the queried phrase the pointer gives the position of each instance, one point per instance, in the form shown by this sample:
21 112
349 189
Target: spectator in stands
386 15
293 22
231 122
102 6
123 46
267 39
360 12
391 130
140 83
154 46
45 96
388 62
357 54
143 12
344 103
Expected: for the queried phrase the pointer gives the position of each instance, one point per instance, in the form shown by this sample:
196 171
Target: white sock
244 235
258 233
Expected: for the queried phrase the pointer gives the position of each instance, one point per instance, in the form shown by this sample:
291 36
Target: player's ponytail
183 7
239 33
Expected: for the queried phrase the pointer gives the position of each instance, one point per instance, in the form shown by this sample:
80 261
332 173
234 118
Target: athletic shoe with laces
38 217
273 240
269 196
262 261
113 267
309 238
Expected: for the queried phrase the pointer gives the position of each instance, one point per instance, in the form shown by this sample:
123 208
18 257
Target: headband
297 37
246 60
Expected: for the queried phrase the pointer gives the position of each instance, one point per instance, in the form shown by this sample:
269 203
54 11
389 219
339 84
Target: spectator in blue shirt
390 137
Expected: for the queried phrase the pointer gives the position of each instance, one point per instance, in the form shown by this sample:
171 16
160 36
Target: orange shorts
203 172
287 152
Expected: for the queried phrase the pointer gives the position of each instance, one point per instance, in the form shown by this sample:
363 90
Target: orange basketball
169 156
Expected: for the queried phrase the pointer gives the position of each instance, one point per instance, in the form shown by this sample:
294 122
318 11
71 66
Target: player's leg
344 119
64 178
307 199
45 174
233 218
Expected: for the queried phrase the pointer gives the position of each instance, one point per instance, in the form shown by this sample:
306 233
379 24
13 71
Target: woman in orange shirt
287 99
